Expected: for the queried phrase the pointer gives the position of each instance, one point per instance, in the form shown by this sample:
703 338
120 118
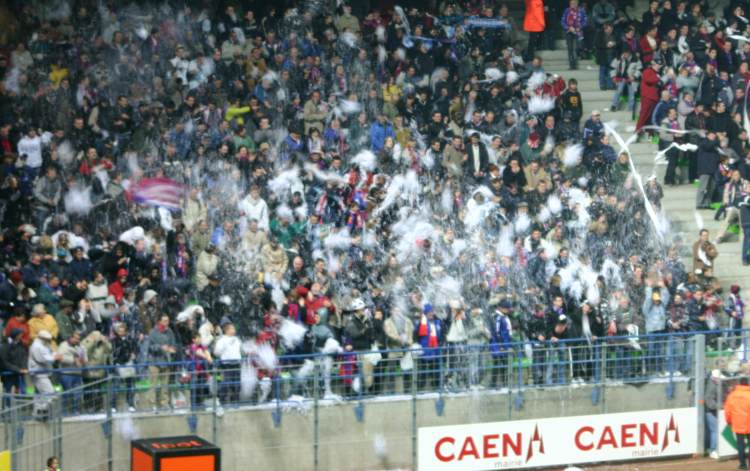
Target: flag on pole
162 192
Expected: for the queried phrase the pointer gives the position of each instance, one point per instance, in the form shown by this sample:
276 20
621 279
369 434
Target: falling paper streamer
536 80
402 16
687 147
142 32
127 428
493 74
349 38
307 368
437 76
340 240
380 446
380 33
365 160
266 356
248 380
541 104
382 54
350 107
332 347
291 333
572 155
78 201
325 176
554 204
625 146
522 223
698 220
65 153
284 182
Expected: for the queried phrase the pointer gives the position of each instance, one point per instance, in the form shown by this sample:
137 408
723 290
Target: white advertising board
559 441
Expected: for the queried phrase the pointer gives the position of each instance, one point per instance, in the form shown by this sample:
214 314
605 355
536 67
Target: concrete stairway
679 201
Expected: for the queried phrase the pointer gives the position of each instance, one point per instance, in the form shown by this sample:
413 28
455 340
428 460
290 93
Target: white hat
44 335
148 295
357 305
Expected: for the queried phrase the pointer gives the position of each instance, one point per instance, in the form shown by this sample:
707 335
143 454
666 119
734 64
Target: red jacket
650 84
314 305
15 324
647 52
533 20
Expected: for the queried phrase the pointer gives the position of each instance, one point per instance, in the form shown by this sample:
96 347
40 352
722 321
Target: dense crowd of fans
179 183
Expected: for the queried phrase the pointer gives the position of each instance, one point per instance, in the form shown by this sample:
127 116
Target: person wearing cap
737 413
654 311
500 339
40 321
117 288
41 361
429 333
64 318
14 358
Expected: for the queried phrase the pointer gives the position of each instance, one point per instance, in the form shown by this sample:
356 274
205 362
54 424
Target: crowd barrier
519 372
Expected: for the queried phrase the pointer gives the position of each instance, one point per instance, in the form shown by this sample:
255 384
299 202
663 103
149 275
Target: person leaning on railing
162 348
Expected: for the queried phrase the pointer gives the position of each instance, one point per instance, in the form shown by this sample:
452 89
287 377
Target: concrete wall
249 439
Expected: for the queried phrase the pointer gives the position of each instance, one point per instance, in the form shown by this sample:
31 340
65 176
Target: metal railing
300 383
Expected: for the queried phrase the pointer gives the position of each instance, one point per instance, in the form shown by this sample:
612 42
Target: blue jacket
656 315
427 351
500 335
378 133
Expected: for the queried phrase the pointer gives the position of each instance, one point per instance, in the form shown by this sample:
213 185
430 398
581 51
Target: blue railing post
276 414
440 402
670 366
518 399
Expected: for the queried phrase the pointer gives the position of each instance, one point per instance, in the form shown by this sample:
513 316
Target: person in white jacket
254 207
41 360
31 146
228 350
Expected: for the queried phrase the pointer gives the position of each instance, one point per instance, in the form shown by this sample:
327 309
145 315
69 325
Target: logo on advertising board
560 441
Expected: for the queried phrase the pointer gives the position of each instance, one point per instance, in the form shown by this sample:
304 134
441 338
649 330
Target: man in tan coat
534 174
399 331
314 113
274 260
346 21
207 264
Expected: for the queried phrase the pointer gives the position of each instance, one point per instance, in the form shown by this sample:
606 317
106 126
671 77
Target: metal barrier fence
302 383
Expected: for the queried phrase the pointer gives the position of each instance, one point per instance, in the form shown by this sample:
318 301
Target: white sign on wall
559 441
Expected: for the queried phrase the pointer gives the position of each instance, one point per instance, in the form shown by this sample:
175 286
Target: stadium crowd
182 179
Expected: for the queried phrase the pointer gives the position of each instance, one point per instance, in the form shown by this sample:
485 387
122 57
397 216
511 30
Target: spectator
162 349
574 20
14 356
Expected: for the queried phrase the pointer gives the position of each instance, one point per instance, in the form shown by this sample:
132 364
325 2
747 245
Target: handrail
515 347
